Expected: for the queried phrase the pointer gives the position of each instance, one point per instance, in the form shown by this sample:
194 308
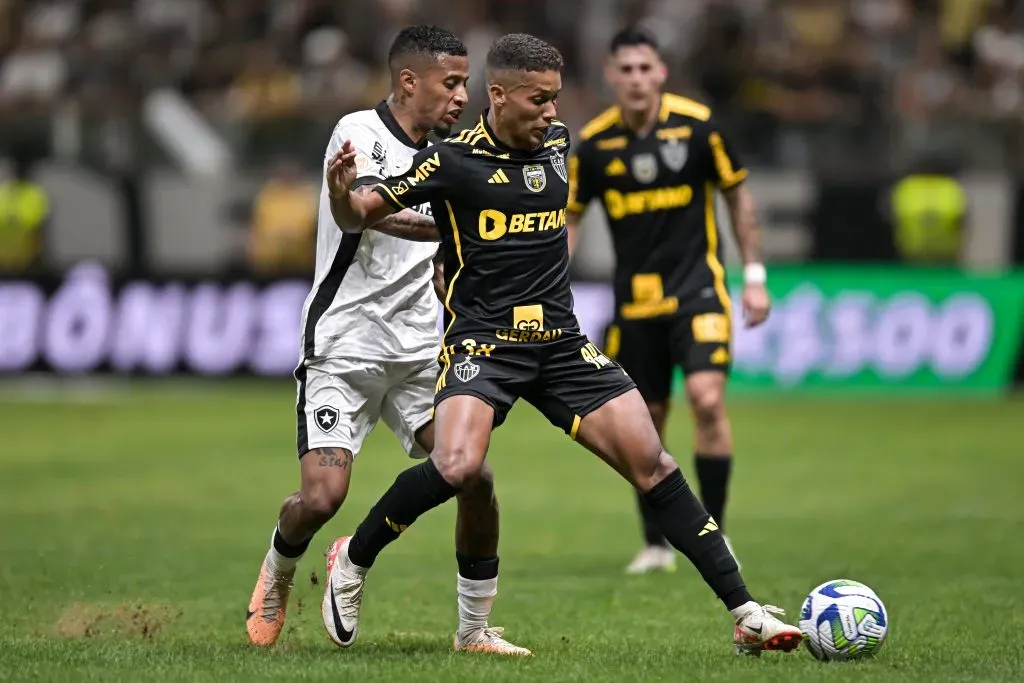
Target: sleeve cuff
737 178
389 197
576 207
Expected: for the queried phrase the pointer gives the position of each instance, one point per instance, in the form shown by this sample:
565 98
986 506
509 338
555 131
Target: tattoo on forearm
409 225
406 224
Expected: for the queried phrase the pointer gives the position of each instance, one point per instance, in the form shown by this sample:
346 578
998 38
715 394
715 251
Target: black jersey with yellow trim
658 192
501 213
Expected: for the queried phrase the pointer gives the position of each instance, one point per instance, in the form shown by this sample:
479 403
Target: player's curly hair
426 41
523 52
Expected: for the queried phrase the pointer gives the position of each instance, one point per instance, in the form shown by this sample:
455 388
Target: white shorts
341 399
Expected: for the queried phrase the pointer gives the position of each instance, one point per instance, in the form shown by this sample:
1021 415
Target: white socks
279 563
475 600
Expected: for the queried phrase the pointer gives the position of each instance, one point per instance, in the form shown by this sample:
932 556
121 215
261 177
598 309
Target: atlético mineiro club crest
326 418
674 154
558 163
466 370
535 178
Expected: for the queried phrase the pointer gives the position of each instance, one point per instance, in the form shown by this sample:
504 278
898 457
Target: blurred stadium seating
167 133
865 82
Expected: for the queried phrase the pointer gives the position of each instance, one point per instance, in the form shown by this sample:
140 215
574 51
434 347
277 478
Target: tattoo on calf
334 457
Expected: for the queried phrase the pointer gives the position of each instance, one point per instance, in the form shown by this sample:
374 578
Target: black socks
286 549
691 530
713 477
415 491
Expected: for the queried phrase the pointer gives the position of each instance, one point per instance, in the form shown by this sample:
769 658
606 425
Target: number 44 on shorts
593 355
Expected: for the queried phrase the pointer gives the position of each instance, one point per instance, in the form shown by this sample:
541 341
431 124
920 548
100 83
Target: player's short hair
424 41
522 52
632 36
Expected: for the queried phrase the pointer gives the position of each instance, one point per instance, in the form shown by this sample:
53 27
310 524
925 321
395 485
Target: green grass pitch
133 528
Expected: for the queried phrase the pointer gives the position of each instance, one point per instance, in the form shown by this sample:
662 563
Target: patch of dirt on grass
87 620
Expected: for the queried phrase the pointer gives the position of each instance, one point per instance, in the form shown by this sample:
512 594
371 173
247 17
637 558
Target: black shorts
565 379
650 349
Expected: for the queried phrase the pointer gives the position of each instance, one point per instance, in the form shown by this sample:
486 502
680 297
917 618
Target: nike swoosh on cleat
756 630
344 635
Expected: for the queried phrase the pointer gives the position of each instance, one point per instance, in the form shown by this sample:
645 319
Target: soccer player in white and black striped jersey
370 344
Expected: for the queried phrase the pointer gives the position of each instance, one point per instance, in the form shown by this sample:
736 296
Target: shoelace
351 590
273 600
495 633
764 610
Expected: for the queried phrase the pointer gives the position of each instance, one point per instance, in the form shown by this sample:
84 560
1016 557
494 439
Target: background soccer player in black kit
656 162
499 193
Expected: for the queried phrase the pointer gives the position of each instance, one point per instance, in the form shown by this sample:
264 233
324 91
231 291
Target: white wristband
755 274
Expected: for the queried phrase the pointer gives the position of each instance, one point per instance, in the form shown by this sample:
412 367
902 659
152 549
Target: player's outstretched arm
406 224
743 215
349 208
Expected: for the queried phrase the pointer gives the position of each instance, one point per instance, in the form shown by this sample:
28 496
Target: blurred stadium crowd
799 81
850 91
882 132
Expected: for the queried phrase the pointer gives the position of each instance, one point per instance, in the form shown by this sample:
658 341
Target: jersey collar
391 123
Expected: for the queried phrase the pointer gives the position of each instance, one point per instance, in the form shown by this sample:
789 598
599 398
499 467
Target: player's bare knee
651 467
661 466
708 404
457 464
322 501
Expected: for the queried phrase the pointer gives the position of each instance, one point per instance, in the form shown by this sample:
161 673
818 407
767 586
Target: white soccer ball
843 619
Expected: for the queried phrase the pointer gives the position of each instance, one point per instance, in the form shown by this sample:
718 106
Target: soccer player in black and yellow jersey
656 163
499 194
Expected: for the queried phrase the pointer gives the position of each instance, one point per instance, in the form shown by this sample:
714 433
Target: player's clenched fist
756 304
341 170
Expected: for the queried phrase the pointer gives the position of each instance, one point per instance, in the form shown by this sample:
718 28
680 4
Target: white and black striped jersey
372 296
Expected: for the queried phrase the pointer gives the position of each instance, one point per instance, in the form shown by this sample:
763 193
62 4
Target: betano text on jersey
501 214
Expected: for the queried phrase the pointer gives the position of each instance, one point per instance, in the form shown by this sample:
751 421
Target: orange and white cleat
265 616
759 629
489 640
343 594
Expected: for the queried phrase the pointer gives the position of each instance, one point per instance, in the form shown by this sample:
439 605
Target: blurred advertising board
883 330
843 329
